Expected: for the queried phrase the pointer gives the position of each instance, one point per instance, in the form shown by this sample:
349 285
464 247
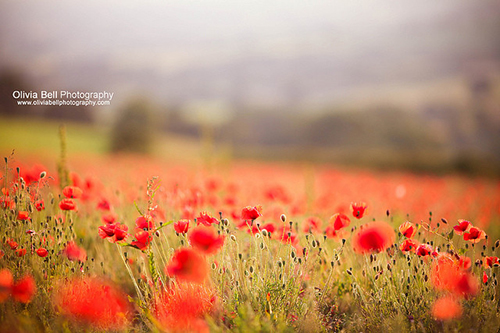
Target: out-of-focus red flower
23 215
144 222
10 242
408 229
67 204
462 226
206 219
21 252
446 308
485 278
181 226
1 254
103 204
39 205
142 239
358 209
74 252
109 218
94 302
6 283
206 239
41 252
488 262
312 224
182 307
72 192
24 289
409 245
251 212
447 275
187 265
424 250
475 235
373 237
339 221
7 203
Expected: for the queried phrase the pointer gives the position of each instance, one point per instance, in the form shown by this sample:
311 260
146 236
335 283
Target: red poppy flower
449 276
109 218
474 235
251 213
120 232
67 204
187 265
488 262
74 252
358 209
142 239
39 205
462 226
144 223
42 252
408 245
91 301
103 204
206 239
424 250
206 219
485 278
107 231
24 289
7 203
13 245
21 252
181 226
339 221
183 307
23 215
6 282
373 237
72 192
446 308
408 229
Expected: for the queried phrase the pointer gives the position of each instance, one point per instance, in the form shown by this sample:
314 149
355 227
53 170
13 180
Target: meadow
93 242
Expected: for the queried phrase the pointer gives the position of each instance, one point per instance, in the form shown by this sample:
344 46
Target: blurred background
384 84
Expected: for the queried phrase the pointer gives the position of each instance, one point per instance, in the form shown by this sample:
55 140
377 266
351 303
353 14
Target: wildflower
462 226
373 237
23 215
24 289
206 219
488 262
408 229
187 265
72 192
143 238
13 245
474 235
104 204
94 302
114 232
446 308
424 250
181 226
67 204
39 205
144 222
109 218
74 252
409 245
6 282
447 275
21 252
206 240
339 221
358 209
485 278
183 307
251 213
42 252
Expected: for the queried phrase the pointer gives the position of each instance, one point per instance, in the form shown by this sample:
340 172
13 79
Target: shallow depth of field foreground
133 244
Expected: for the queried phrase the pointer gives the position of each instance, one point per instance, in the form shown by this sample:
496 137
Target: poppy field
134 244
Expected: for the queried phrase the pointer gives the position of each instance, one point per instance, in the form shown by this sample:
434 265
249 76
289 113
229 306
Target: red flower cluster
450 274
470 233
22 290
91 301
